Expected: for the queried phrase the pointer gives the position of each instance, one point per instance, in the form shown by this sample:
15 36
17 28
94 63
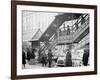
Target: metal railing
76 31
78 28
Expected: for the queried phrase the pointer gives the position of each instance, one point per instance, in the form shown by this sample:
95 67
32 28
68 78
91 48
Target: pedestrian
33 54
68 61
85 57
28 55
44 59
23 58
82 20
68 30
50 58
76 25
55 59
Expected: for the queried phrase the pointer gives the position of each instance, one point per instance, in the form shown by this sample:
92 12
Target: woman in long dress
23 58
68 61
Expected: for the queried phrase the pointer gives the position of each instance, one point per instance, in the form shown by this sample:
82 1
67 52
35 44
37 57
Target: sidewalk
35 66
27 66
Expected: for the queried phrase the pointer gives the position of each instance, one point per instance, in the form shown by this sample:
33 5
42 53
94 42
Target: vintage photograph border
14 39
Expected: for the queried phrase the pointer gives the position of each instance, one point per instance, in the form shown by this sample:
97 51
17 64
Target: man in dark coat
23 58
50 58
28 55
82 20
68 30
33 54
44 59
85 57
68 61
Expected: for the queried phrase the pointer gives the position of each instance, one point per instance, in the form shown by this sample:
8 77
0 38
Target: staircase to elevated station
74 37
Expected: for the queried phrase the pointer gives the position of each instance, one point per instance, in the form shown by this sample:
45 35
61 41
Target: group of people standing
85 58
47 59
27 55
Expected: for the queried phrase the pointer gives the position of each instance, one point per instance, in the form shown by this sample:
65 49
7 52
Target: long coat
23 58
28 55
50 56
68 61
85 58
44 58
